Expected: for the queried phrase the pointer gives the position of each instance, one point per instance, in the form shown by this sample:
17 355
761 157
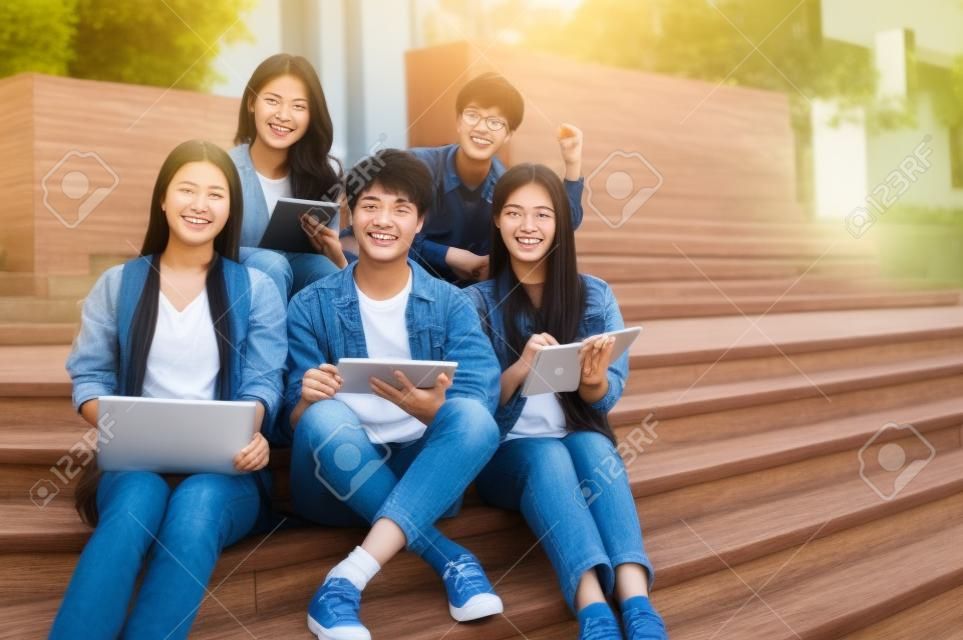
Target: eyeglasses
471 118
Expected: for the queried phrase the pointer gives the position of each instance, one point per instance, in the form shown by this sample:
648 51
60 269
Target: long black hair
563 297
145 315
313 171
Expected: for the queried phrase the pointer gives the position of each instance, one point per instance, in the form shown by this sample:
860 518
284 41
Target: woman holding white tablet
554 445
284 136
183 320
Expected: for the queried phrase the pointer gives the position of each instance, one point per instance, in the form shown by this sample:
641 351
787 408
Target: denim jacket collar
256 216
342 293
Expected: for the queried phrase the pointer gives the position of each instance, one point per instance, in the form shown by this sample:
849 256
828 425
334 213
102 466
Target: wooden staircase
762 427
746 472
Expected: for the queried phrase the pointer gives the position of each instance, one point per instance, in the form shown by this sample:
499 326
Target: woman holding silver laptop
555 445
182 321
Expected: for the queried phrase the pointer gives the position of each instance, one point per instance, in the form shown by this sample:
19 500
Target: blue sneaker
333 612
641 622
599 629
470 594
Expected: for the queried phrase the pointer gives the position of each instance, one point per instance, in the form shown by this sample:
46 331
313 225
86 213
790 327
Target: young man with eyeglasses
454 243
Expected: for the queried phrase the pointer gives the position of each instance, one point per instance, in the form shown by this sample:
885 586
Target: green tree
169 43
36 36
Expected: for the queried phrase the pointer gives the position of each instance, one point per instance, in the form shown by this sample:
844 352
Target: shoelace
341 598
600 629
643 625
468 575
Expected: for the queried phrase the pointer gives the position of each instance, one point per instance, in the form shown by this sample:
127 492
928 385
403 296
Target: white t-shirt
541 417
183 361
386 336
274 189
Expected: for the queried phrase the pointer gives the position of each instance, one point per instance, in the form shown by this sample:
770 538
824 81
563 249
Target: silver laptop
355 372
556 369
172 436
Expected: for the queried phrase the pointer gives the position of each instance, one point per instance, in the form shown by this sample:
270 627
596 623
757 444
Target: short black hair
397 172
493 90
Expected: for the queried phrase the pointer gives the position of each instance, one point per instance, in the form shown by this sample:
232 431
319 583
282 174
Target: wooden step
27 620
716 304
830 586
684 376
642 226
101 262
39 370
34 371
75 287
627 244
13 283
43 310
669 289
708 340
614 269
30 333
939 618
664 465
741 533
634 407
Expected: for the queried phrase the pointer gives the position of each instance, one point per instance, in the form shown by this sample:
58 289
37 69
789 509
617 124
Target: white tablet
556 368
355 372
172 436
284 232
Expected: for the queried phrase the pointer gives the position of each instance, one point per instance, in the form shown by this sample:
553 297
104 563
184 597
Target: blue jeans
574 494
333 464
291 272
184 528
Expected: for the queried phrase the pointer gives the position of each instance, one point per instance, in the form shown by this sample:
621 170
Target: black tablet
284 232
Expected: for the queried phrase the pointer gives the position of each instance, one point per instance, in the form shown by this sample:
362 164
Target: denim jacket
601 315
447 212
256 215
100 356
324 325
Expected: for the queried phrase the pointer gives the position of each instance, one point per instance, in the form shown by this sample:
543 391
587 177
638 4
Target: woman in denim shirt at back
284 136
183 320
553 443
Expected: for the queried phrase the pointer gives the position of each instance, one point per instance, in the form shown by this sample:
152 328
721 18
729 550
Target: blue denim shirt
324 325
256 215
97 363
448 212
450 222
601 314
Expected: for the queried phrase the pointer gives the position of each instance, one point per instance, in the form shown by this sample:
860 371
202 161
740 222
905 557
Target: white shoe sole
344 633
480 606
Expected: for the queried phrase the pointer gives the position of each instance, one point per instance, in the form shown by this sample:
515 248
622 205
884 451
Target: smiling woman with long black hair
554 444
284 136
186 321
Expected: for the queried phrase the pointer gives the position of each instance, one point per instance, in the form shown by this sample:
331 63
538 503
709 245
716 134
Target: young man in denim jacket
395 458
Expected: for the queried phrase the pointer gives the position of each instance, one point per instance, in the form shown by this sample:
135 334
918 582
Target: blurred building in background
856 152
919 163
